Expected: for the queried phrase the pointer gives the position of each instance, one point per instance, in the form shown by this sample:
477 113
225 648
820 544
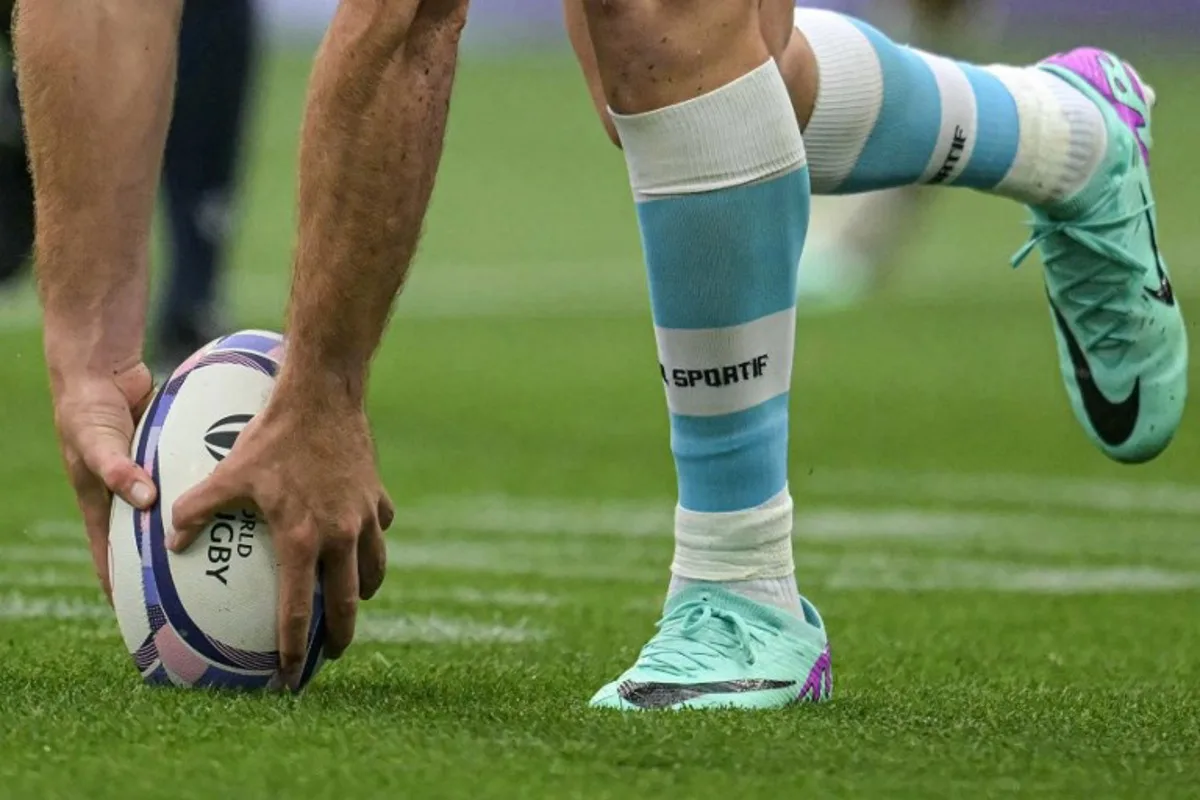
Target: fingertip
180 538
141 495
183 531
284 682
386 513
291 672
192 510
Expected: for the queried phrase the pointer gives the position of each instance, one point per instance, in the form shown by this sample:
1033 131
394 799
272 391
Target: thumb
106 454
195 508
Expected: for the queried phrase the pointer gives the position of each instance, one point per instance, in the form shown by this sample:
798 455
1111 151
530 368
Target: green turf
1011 615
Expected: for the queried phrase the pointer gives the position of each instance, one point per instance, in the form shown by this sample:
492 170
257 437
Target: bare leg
775 24
370 149
96 81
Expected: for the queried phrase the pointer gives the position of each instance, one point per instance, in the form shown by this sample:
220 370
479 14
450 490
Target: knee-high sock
889 115
722 201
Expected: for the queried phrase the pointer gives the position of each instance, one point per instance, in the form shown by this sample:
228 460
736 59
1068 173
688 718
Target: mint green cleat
717 649
1121 338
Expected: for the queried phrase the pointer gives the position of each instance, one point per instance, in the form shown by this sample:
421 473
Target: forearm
96 82
370 147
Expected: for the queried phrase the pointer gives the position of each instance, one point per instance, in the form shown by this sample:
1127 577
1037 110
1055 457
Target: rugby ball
205 617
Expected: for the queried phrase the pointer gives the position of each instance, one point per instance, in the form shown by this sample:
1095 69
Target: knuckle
117 474
296 622
343 534
183 513
274 507
344 609
302 541
226 480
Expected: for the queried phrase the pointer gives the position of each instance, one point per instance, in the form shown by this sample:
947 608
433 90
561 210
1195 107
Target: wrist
325 363
95 326
318 384
72 350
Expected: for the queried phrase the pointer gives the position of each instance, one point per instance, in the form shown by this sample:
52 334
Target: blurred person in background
853 239
218 43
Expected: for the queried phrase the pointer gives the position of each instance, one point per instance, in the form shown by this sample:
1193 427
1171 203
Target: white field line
514 516
532 517
500 514
16 606
470 596
384 628
641 532
434 629
640 527
1044 533
967 575
1023 491
543 560
32 554
60 530
47 579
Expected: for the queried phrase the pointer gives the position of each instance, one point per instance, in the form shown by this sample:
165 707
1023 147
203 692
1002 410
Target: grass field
1011 615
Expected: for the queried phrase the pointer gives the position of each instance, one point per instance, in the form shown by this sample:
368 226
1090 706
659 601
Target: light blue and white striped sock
722 201
888 115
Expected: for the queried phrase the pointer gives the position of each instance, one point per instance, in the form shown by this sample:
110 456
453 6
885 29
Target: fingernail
142 494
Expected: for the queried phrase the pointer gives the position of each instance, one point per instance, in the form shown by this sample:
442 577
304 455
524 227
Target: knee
625 9
647 20
657 42
642 21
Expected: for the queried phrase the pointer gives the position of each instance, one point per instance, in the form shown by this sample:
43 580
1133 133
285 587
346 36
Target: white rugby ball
206 617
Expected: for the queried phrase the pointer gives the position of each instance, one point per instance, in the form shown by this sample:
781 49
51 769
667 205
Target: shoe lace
1094 291
695 635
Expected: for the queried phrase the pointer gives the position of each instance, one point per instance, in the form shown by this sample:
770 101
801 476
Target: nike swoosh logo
1164 293
663 695
1112 422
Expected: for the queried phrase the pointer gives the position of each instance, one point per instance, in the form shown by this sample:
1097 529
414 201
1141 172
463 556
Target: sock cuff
1086 148
1058 145
739 133
849 95
735 545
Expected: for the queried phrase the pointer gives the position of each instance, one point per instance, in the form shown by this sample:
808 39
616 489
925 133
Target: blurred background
1011 610
528 294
